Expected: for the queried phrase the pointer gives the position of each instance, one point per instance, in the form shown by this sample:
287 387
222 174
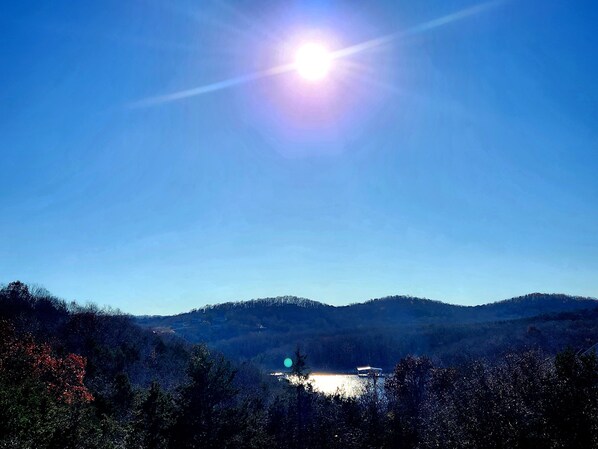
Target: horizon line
349 304
33 285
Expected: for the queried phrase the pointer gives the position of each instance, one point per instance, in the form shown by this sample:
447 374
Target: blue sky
457 163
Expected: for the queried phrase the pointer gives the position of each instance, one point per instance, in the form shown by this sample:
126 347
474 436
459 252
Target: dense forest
381 331
80 377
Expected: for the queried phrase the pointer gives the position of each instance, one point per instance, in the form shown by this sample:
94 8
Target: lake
350 385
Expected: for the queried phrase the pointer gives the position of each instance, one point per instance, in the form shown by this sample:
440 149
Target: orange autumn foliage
63 376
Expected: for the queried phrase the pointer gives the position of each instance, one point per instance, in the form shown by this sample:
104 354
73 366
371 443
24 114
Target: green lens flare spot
288 362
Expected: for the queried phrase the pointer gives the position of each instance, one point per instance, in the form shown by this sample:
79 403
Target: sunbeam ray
342 53
213 87
426 26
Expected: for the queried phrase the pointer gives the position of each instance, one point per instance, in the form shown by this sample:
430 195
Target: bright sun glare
312 61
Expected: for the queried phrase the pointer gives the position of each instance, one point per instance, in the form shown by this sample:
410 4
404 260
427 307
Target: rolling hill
383 330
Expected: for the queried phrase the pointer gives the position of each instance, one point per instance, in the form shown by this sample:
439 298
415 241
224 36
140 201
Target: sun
313 61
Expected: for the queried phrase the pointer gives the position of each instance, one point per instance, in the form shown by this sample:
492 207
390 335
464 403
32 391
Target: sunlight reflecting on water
350 385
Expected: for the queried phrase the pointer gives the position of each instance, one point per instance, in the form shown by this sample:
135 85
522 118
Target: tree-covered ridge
111 342
380 331
69 379
264 302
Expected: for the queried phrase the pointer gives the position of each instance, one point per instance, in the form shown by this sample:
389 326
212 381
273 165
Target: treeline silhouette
80 377
382 331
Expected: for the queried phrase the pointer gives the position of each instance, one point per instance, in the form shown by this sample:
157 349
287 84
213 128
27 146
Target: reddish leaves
63 376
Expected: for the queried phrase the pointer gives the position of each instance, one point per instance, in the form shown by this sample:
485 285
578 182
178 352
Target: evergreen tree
152 420
299 367
206 415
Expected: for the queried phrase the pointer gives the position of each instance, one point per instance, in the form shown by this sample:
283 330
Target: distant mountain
338 337
534 304
267 302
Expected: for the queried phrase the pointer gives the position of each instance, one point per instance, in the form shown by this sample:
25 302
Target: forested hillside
381 331
114 346
78 377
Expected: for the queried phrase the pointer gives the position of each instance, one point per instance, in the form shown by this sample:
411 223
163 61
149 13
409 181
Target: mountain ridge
337 337
284 300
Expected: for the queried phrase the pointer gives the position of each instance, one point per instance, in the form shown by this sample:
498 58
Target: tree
206 414
573 402
43 401
406 390
152 422
300 368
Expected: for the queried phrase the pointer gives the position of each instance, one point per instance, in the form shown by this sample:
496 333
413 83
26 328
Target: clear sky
458 162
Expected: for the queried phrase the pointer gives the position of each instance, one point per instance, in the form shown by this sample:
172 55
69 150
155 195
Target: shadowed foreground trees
524 401
153 419
207 416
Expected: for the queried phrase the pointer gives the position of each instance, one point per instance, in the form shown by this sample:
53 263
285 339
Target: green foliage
33 415
153 419
207 415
